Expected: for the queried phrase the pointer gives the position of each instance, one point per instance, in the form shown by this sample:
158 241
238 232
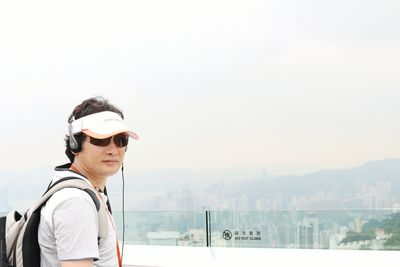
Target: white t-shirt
68 230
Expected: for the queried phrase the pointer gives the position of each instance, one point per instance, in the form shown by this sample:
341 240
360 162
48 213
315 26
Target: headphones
75 145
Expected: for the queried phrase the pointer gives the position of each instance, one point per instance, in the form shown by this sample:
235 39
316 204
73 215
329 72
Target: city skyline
373 185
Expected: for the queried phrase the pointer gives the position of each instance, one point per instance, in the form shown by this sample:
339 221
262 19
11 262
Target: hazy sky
286 85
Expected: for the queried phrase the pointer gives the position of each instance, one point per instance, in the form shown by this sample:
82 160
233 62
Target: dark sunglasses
120 140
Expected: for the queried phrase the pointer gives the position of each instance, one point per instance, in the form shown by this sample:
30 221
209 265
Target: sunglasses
120 140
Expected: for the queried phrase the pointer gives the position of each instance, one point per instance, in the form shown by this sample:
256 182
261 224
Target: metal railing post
208 228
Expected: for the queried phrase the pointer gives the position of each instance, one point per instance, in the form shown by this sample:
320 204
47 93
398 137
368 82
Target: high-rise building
308 233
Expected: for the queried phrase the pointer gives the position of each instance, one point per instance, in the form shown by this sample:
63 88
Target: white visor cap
101 125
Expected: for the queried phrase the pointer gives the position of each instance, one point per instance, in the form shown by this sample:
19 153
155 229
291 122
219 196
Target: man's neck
97 182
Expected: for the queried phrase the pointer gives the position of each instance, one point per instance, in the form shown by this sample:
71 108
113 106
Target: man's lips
110 161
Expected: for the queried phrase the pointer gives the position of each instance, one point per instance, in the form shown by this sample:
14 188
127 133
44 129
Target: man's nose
112 147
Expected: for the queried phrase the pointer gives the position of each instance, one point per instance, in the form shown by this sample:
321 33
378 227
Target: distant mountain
339 181
375 184
21 190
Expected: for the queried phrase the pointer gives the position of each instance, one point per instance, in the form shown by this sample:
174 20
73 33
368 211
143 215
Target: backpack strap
75 182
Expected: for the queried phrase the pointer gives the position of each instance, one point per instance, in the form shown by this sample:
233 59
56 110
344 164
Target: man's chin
110 170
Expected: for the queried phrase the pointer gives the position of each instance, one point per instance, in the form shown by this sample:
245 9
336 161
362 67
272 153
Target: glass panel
325 229
317 229
174 228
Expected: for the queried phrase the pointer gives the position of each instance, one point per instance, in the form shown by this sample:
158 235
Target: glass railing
174 228
300 229
316 229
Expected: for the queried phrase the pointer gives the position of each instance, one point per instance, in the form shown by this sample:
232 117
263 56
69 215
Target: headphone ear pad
75 143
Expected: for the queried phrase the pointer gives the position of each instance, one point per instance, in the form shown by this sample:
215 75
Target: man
69 224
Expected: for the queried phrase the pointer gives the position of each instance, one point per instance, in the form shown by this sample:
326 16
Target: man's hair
87 107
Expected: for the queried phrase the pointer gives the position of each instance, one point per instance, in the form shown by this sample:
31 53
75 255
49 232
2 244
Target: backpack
19 233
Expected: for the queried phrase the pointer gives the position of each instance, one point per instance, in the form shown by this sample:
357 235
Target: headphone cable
123 212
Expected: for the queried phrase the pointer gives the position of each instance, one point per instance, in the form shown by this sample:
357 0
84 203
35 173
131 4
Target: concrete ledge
168 256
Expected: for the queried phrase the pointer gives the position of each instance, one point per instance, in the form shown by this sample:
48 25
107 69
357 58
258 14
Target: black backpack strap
108 200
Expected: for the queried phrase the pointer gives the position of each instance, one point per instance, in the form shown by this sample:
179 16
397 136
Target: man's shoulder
69 193
66 198
64 174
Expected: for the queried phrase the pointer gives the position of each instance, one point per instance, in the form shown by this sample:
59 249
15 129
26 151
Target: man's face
99 161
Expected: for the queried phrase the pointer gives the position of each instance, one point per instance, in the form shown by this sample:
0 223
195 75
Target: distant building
308 233
357 225
193 238
163 238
